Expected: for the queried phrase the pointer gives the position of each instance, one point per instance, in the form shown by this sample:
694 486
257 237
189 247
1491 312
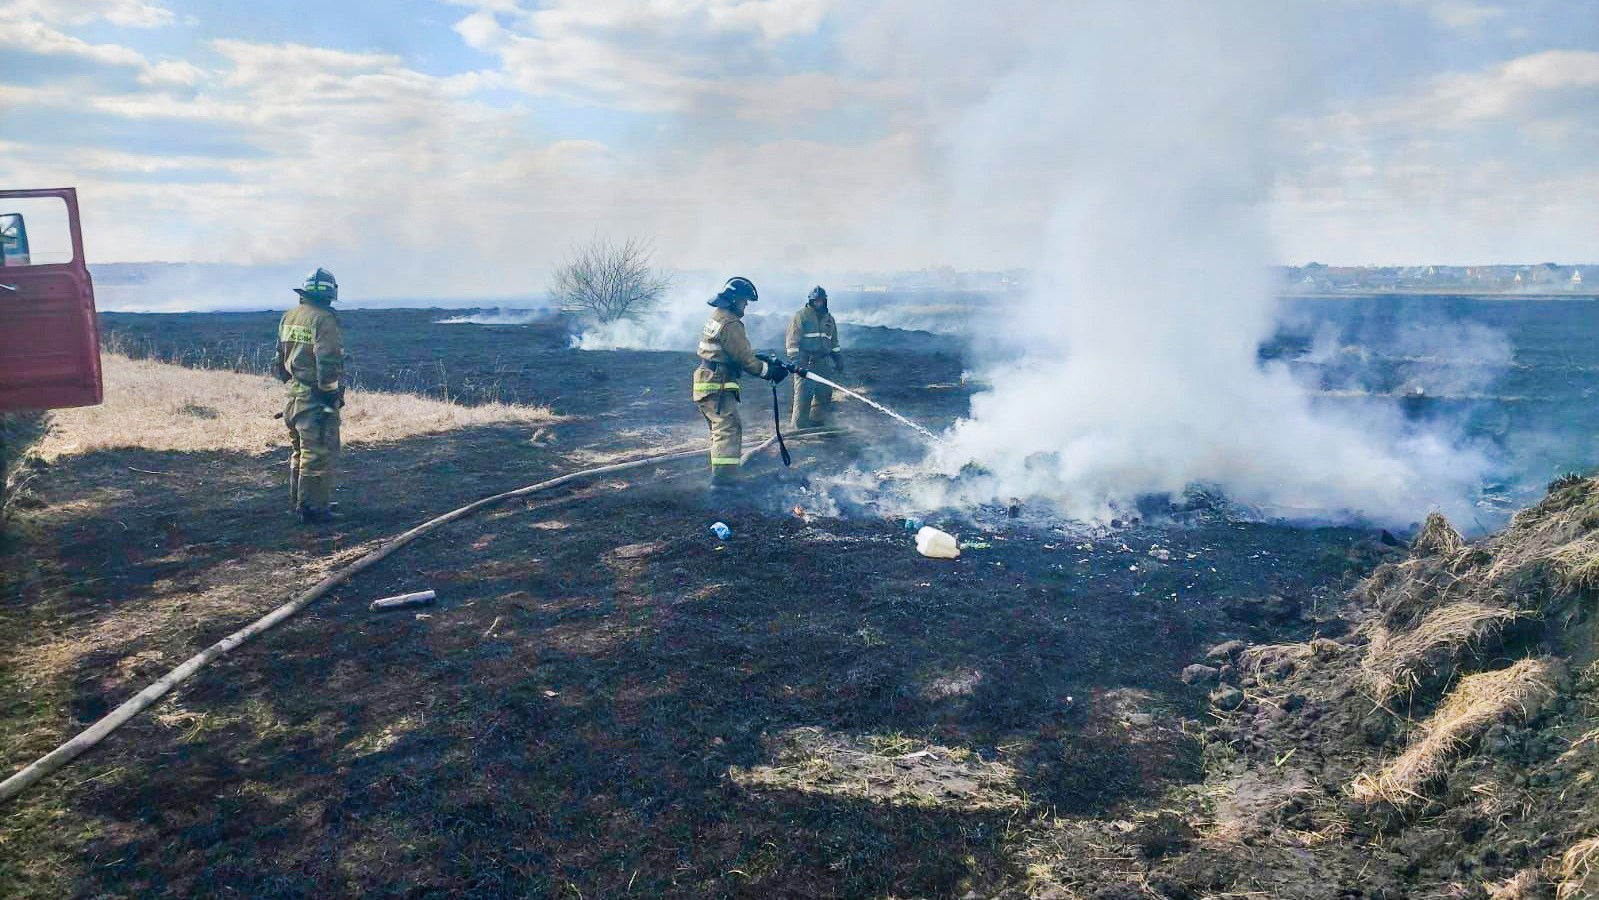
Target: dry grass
1268 660
1475 703
1576 565
1556 531
889 770
159 406
1396 660
1579 870
1519 887
1438 538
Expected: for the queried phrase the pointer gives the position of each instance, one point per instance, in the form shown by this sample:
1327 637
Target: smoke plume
1138 344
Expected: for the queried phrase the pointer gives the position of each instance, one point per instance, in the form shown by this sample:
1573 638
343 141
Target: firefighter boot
294 485
316 495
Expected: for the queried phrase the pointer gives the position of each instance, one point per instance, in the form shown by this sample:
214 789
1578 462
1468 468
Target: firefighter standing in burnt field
725 353
812 343
310 359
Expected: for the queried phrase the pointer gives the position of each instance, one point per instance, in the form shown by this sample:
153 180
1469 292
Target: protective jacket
812 337
311 361
310 354
725 353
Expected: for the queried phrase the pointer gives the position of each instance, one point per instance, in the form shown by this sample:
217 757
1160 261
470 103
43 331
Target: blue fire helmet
319 285
737 288
818 293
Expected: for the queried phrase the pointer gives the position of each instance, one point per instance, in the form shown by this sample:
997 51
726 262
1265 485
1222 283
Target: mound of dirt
1445 747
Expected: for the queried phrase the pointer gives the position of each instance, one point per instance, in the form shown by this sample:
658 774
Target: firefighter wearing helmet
725 354
812 343
310 360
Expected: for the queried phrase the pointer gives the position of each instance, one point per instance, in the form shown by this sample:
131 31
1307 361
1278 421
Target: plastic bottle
936 544
721 530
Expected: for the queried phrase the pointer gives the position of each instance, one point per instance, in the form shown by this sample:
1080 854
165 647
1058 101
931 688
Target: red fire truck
49 339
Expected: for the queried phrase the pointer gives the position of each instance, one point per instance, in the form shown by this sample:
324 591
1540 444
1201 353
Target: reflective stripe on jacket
724 353
310 349
811 334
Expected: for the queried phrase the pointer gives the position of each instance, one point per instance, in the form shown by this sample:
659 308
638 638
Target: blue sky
468 144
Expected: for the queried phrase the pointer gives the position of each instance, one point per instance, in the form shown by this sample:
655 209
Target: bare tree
607 281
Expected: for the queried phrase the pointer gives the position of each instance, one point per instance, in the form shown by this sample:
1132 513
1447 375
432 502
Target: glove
279 370
333 399
838 365
777 368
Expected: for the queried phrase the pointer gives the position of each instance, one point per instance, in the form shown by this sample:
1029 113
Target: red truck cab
49 337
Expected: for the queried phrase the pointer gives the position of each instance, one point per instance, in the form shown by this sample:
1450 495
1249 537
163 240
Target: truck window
13 240
34 231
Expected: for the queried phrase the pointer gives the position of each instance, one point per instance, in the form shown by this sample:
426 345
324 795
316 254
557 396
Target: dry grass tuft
1475 703
1438 538
1576 565
1273 660
1519 887
1579 870
1396 661
159 406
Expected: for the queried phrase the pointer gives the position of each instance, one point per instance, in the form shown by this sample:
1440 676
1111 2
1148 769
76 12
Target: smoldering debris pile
1445 745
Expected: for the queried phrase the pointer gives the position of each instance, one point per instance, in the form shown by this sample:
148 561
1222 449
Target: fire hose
801 372
141 701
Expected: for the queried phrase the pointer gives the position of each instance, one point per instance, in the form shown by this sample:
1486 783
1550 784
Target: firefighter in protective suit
725 353
310 360
812 343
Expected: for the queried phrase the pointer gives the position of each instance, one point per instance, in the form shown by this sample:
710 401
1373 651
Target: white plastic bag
936 544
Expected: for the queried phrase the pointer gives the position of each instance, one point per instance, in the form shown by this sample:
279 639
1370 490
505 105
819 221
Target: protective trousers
313 445
727 434
813 403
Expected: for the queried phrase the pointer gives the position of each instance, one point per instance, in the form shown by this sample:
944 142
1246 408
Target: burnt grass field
606 700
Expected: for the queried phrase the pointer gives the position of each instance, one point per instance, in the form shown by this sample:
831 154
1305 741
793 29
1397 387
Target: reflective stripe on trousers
703 389
726 427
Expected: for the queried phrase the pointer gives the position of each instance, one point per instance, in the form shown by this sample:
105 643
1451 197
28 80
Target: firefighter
310 360
725 353
812 343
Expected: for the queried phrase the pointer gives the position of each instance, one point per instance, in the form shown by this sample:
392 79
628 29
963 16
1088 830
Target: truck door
49 338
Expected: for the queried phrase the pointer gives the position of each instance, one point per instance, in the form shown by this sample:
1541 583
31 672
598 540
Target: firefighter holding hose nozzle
812 343
725 354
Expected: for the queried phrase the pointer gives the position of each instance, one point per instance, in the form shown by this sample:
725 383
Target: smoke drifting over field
1151 298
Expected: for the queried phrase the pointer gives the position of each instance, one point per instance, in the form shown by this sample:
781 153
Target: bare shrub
1467 710
606 281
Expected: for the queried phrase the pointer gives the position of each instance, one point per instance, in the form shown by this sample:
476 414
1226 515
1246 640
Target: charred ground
607 700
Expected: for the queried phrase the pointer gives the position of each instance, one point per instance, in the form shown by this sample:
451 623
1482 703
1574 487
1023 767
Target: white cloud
37 37
746 157
671 56
1462 15
1554 82
1488 165
129 13
172 72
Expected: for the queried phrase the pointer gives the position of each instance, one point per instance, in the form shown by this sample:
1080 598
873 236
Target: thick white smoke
673 325
1151 294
